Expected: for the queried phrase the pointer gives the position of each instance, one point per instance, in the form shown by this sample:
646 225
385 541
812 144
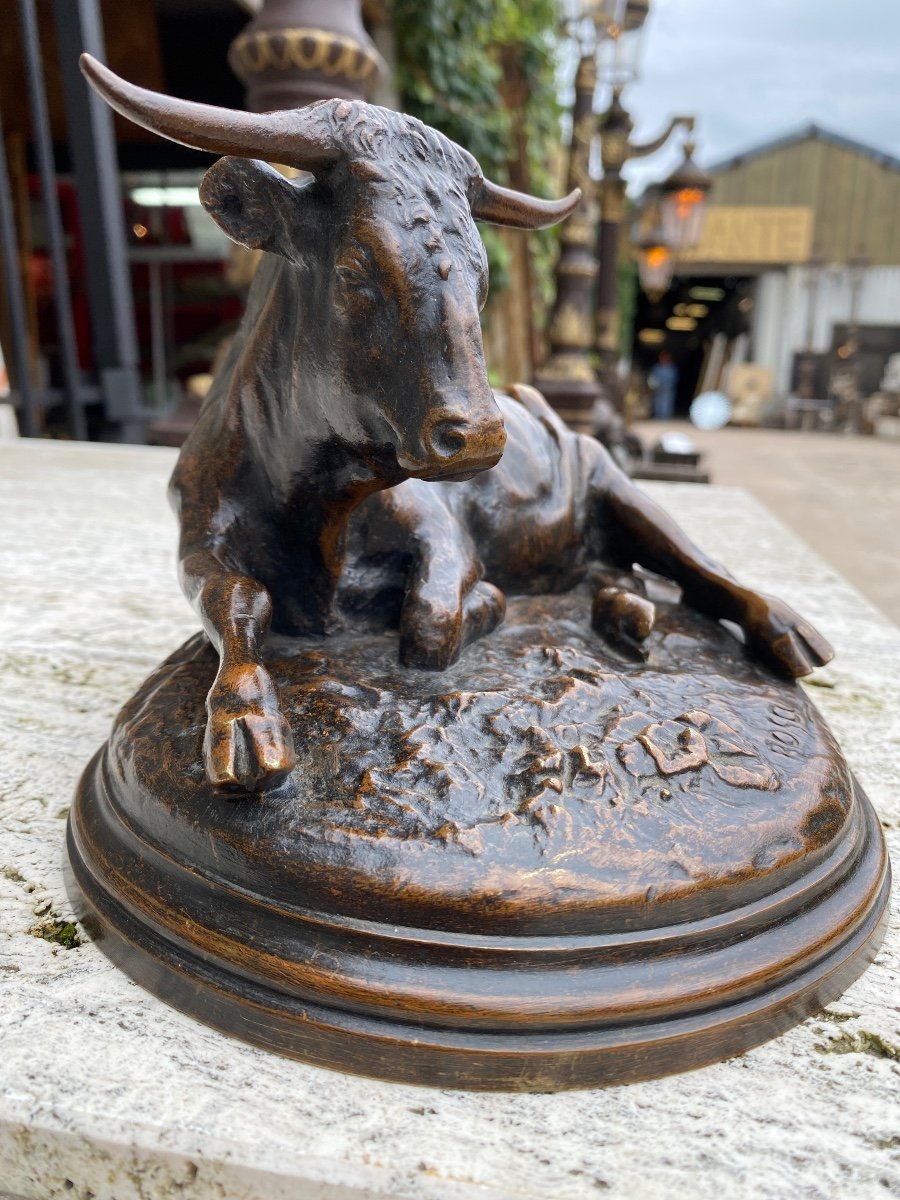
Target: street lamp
684 197
655 257
568 378
617 148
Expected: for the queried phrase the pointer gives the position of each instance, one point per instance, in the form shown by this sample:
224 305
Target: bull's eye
354 289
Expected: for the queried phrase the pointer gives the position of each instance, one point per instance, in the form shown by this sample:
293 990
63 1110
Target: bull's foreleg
447 604
637 530
443 613
248 743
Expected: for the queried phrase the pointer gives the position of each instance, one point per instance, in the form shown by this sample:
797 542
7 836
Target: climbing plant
484 73
626 292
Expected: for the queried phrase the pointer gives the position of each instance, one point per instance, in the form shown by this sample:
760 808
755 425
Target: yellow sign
743 233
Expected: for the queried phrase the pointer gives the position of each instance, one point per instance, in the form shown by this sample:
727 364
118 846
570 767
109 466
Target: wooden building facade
802 245
852 190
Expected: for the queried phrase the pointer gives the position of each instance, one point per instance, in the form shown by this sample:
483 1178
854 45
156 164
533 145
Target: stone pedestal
106 1091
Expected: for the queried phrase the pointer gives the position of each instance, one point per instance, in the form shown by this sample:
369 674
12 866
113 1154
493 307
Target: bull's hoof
432 645
624 619
248 755
782 639
248 745
483 610
434 641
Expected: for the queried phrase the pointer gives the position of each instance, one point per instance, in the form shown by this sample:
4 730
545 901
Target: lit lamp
655 257
656 267
683 203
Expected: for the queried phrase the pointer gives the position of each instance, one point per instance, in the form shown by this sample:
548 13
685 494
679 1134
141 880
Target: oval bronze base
637 1005
682 888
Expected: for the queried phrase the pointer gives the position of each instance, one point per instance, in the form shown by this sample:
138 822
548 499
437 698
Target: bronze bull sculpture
357 385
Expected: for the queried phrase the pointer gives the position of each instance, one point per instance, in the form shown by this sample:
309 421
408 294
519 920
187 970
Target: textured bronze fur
359 365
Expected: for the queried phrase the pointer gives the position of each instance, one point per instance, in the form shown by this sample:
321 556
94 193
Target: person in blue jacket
664 383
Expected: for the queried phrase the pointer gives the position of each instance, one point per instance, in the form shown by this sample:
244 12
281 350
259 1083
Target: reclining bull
359 368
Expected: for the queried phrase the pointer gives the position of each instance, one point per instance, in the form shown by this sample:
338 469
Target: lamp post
568 378
616 149
813 281
806 360
608 34
857 265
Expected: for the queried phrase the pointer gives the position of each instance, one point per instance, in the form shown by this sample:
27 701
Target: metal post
616 148
857 266
15 300
92 141
55 237
158 333
567 378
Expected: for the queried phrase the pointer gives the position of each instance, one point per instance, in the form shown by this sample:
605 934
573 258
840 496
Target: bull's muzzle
457 447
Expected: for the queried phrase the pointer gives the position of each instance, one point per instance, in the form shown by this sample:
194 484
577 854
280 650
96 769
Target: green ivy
450 72
626 290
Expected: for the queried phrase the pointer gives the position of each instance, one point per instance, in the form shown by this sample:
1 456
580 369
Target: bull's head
394 271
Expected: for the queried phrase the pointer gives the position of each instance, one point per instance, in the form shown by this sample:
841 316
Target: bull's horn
293 138
502 206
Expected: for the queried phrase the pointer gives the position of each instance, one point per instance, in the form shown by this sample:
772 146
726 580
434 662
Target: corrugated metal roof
808 133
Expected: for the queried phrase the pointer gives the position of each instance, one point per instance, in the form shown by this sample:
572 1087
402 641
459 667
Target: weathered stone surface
105 1091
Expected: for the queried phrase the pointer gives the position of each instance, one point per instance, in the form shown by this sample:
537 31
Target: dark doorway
698 321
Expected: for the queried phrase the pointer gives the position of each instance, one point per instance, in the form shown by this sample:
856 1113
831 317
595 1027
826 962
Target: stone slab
107 1093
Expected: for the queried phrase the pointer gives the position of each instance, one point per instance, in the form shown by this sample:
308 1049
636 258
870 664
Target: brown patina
359 367
605 841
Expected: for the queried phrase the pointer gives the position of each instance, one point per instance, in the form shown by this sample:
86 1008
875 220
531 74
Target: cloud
751 70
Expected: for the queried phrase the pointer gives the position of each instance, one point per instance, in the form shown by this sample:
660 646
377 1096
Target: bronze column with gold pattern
616 148
295 52
615 131
567 378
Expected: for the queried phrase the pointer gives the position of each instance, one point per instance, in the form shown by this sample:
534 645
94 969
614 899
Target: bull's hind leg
634 529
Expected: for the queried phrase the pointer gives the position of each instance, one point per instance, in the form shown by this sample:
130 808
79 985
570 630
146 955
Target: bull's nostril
447 439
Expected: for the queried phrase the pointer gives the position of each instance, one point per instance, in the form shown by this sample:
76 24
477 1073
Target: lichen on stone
60 932
861 1042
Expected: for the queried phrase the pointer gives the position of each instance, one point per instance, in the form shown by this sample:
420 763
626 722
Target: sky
752 70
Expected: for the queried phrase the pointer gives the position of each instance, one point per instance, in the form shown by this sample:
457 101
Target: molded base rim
708 1022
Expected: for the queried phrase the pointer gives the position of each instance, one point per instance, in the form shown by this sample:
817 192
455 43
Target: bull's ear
250 201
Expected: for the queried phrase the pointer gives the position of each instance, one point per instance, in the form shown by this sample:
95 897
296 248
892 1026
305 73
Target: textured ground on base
542 774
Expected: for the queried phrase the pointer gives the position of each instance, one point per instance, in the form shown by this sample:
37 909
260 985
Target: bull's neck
309 477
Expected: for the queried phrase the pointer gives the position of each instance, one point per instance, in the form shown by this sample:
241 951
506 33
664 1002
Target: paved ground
841 494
